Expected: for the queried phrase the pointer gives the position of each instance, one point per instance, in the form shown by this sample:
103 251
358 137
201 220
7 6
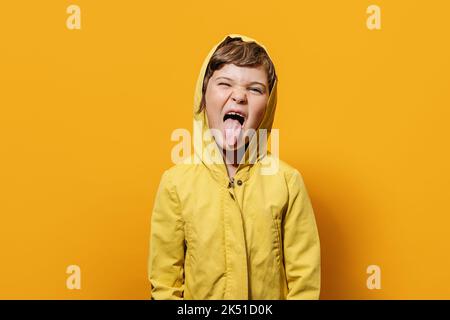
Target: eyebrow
253 82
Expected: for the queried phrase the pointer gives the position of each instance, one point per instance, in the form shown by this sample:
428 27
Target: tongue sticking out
232 131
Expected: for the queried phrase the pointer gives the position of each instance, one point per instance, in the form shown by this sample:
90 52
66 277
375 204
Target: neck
232 158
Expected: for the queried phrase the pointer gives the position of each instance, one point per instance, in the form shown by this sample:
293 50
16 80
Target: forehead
242 74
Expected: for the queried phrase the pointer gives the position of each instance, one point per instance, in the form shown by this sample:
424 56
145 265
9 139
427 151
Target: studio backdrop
91 92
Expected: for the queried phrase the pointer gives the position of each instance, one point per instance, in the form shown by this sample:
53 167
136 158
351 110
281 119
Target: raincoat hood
205 148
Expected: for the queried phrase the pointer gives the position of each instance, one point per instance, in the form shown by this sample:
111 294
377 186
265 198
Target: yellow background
86 117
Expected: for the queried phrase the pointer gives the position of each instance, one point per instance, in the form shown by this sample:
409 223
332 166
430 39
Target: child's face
242 90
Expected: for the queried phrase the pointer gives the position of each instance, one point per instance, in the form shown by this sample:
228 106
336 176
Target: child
221 229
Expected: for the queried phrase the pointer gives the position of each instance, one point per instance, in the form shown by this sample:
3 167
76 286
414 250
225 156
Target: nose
239 97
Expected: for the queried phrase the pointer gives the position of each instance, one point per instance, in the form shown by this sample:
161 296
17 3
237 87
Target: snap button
239 182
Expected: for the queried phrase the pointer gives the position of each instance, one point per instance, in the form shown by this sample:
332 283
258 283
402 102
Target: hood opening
233 122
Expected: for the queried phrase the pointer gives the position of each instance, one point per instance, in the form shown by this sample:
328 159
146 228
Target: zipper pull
231 183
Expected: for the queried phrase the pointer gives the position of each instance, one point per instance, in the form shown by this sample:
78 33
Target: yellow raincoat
214 238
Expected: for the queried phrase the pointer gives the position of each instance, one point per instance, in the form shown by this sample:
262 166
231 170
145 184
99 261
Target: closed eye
257 90
223 83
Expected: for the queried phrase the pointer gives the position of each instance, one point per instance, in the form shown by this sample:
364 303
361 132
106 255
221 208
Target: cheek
214 100
258 109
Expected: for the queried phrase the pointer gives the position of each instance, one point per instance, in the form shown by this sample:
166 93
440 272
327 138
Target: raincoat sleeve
166 258
301 243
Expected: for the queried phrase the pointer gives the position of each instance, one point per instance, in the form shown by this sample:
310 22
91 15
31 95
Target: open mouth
233 123
235 116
